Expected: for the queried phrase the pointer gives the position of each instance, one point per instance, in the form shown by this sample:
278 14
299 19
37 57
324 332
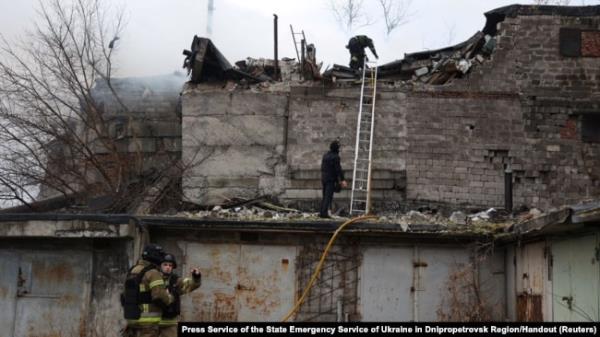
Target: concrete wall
234 144
448 144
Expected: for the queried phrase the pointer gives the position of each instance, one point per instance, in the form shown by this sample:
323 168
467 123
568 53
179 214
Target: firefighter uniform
176 286
143 308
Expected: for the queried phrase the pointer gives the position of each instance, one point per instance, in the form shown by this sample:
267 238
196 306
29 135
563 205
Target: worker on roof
332 177
357 46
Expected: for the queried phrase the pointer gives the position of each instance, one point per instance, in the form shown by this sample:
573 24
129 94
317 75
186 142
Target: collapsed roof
205 63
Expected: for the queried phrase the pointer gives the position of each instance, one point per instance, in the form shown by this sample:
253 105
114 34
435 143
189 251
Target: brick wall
524 108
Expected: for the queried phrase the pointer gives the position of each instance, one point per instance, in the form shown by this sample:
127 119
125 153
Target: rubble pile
490 221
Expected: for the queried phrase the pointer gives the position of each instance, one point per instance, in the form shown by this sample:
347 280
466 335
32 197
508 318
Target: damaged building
520 96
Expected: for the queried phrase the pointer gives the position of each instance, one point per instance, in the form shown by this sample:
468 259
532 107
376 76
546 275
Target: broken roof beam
206 63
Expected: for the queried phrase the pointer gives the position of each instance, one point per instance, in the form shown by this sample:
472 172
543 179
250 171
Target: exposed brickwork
590 43
450 144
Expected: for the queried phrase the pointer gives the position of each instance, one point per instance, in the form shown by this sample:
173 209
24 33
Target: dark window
570 42
590 128
577 42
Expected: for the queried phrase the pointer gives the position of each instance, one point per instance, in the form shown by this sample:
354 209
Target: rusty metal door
267 280
9 266
576 278
240 282
52 292
532 287
215 300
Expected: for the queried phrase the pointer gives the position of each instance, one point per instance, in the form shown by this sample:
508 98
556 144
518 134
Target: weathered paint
215 300
240 282
492 284
52 293
576 278
266 287
511 290
9 267
441 266
386 281
532 285
408 283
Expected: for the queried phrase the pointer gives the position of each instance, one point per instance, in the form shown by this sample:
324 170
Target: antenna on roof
209 18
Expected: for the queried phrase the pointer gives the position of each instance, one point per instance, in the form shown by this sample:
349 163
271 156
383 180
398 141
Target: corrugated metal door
240 282
9 267
386 280
576 278
46 293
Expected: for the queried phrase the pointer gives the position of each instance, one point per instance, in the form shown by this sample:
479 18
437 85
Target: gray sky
158 30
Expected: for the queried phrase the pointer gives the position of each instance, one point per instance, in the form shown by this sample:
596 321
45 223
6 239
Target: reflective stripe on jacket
151 281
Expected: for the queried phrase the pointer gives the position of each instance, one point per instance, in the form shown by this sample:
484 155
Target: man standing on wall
357 46
177 286
331 175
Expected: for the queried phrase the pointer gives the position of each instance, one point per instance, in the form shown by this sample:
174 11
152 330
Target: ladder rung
361 201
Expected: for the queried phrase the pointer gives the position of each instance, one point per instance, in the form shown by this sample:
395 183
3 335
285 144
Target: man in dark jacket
357 46
331 173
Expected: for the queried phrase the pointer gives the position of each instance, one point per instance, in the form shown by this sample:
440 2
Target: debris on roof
206 63
441 65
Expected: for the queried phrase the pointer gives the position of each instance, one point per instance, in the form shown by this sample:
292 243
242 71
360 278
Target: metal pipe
340 315
276 75
303 47
209 18
416 285
508 189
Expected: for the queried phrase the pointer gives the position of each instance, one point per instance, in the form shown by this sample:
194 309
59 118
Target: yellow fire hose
320 265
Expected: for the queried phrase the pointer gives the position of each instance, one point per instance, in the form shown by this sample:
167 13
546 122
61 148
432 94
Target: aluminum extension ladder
299 44
360 198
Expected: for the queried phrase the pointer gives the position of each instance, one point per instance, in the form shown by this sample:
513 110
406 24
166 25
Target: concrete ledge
65 229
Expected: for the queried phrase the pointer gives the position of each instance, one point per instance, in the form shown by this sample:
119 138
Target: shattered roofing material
205 63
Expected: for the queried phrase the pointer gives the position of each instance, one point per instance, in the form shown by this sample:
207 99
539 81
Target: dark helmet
334 146
153 253
170 258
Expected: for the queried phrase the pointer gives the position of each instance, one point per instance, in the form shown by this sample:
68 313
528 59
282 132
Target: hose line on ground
320 265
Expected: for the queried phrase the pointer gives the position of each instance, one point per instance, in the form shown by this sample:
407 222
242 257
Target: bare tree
350 14
53 131
395 13
552 2
451 32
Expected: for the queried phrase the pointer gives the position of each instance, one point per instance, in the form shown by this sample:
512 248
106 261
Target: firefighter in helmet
357 46
177 286
145 295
